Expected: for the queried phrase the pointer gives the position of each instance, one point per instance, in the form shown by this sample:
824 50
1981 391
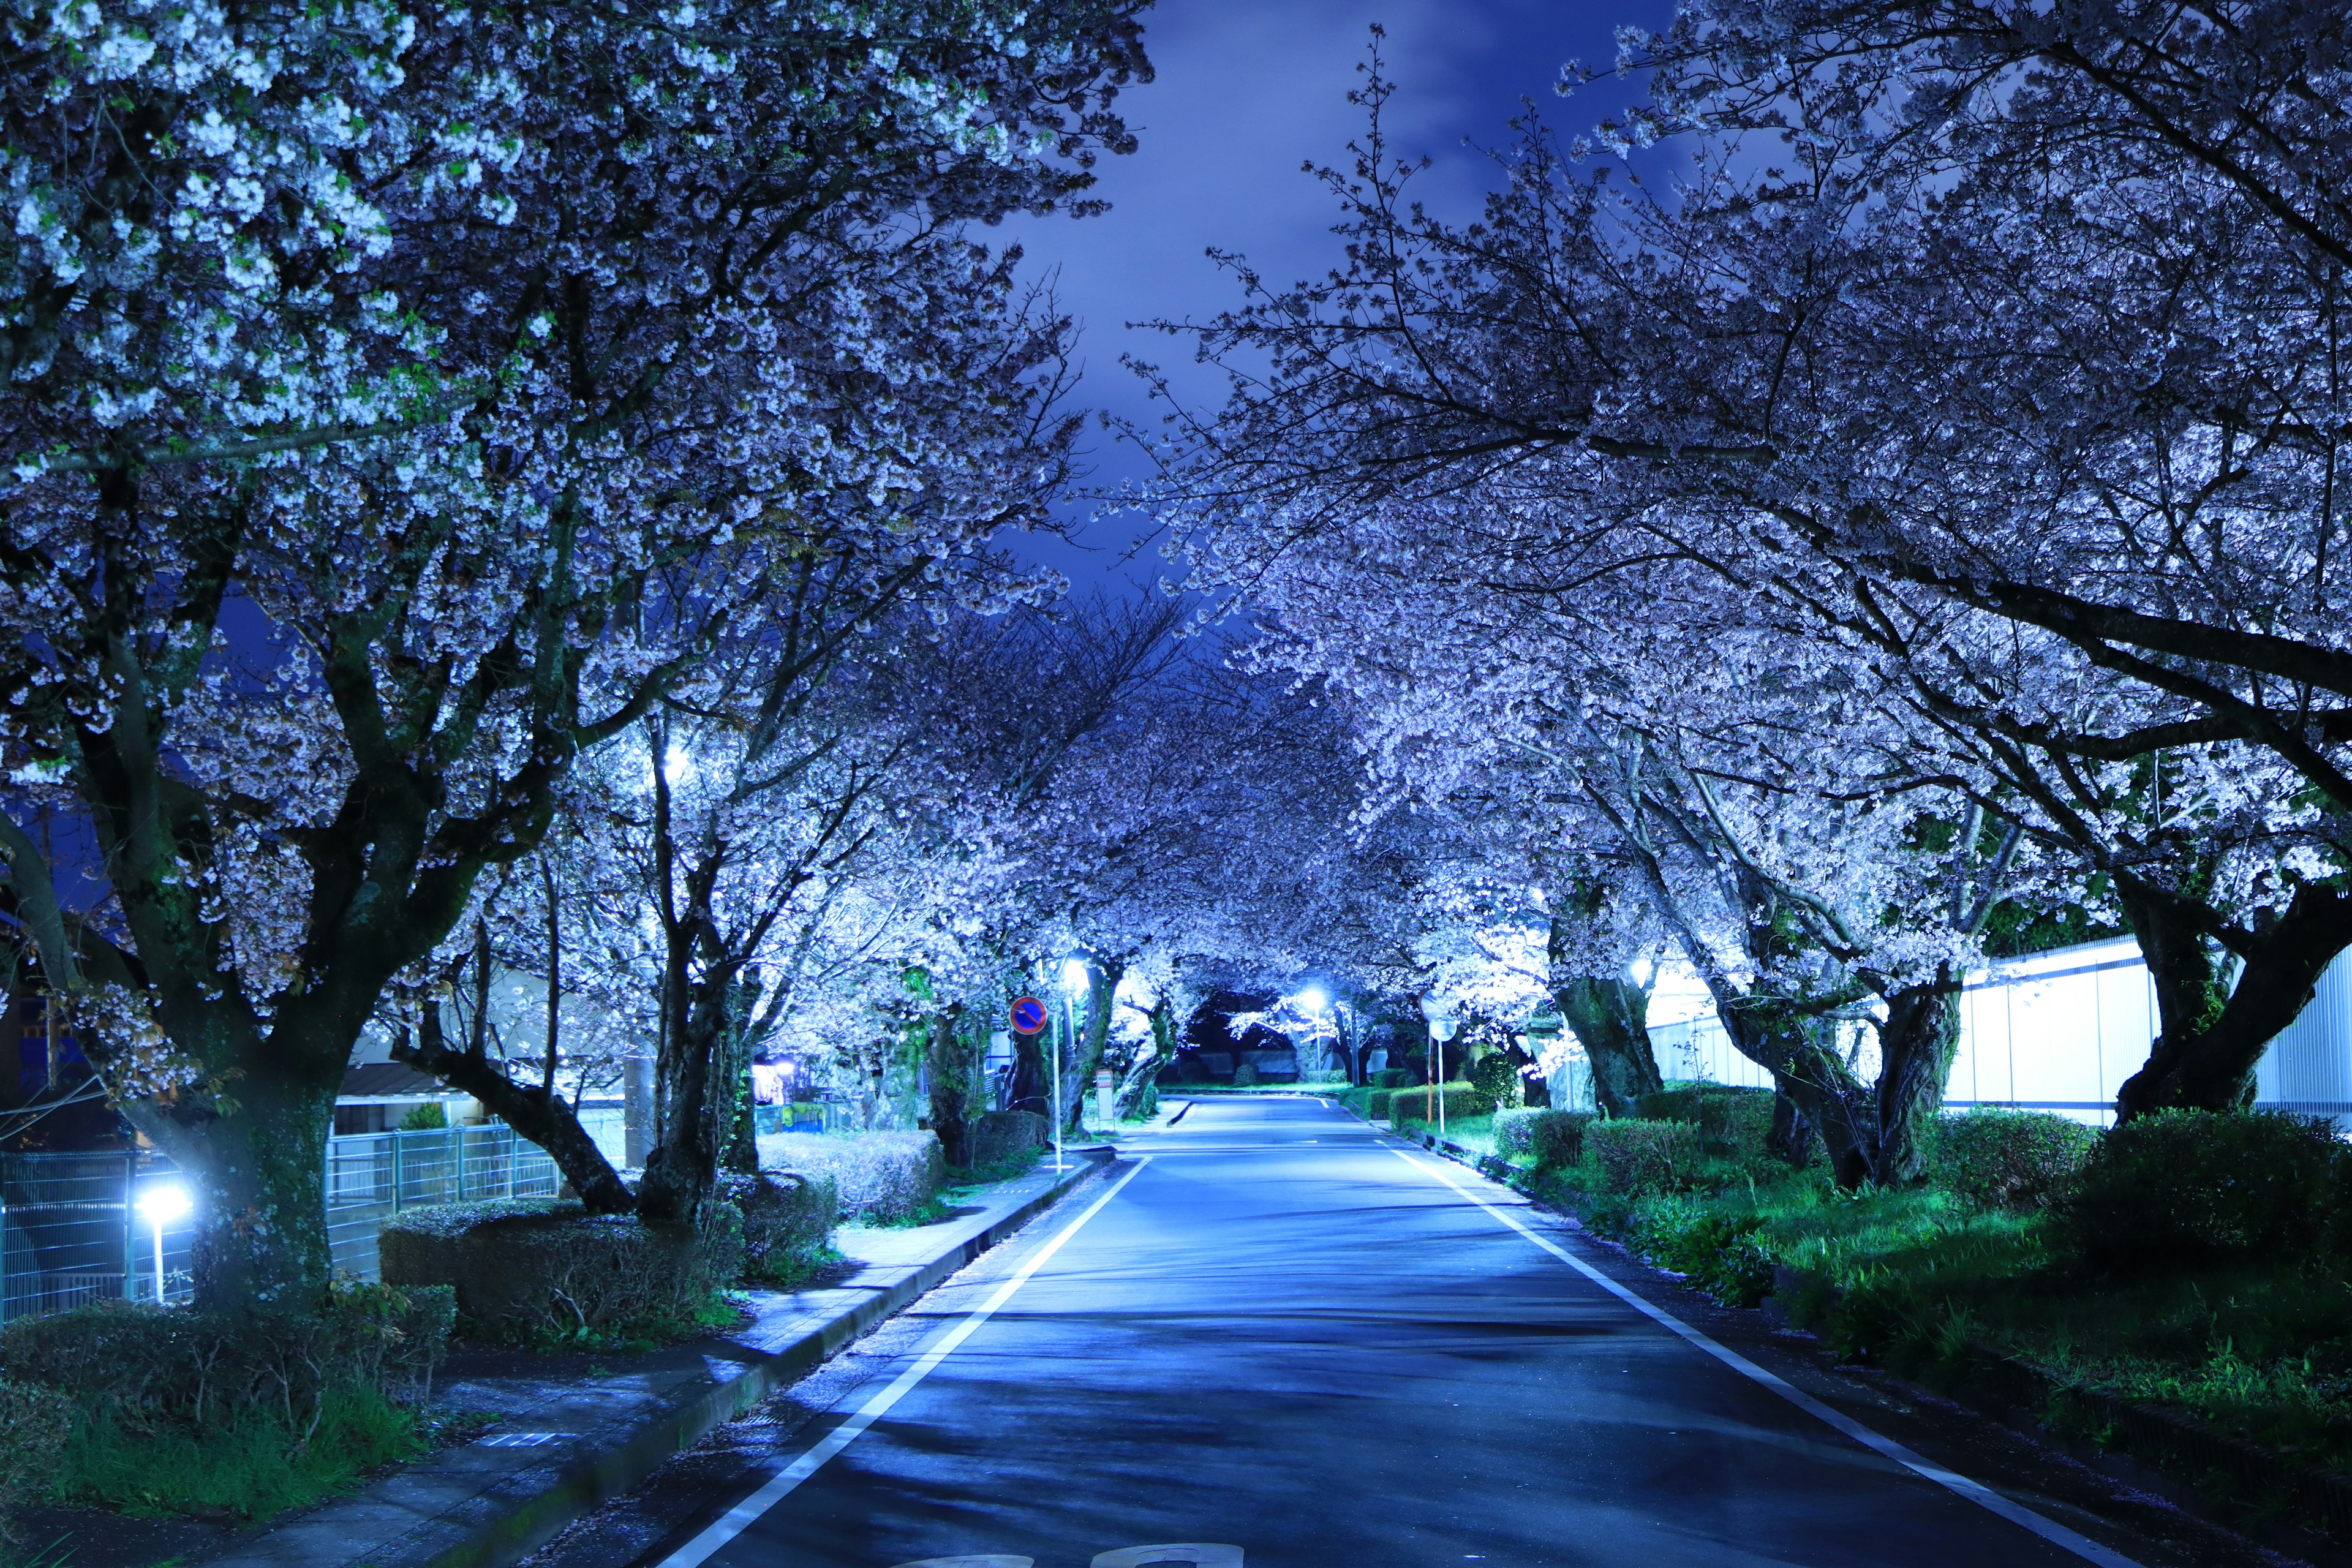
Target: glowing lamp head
165 1203
1314 999
1073 975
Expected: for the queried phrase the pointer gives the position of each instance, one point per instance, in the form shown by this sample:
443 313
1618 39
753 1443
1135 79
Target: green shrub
1460 1101
1731 1122
997 1135
2016 1160
1721 1250
536 1271
787 1225
253 1464
1376 1105
426 1118
35 1423
1548 1139
1391 1077
2197 1186
883 1177
1246 1076
145 1409
150 1366
1496 1077
1634 1156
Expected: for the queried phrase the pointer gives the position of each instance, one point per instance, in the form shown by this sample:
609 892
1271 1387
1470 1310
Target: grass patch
1019 1162
1924 1280
252 1467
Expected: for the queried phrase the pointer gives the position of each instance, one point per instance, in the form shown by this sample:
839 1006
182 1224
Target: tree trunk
255 1161
1609 1017
951 1073
2209 1041
1031 1080
1102 990
1916 1048
535 1111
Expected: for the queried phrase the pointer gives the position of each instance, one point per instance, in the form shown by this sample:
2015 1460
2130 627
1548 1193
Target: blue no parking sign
1028 1016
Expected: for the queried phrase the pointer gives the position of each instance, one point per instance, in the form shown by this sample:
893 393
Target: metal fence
72 1230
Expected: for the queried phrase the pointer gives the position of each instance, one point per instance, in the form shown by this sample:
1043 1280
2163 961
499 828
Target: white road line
737 1519
1984 1497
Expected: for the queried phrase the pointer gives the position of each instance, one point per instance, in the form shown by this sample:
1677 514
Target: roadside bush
2016 1160
1461 1102
1731 1122
1376 1104
34 1424
1246 1076
1548 1138
1720 1250
1391 1077
2197 1187
787 1225
427 1118
537 1271
883 1177
126 1407
996 1136
1496 1077
1633 1155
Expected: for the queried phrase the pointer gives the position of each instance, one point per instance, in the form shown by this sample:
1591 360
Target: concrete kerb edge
591 1480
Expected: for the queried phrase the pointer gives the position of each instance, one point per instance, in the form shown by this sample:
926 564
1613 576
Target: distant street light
1443 1021
1312 1001
162 1204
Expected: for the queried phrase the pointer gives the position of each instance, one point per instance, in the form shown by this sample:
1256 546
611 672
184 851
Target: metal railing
71 1232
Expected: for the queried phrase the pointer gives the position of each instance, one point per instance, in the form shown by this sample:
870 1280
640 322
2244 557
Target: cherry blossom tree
402 404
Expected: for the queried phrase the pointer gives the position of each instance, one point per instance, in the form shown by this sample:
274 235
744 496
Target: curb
502 1523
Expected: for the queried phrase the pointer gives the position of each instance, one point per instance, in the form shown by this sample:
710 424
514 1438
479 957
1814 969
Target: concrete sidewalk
563 1448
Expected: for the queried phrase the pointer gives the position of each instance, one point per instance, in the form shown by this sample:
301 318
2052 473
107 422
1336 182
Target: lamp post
1442 1018
1074 980
1312 1001
162 1204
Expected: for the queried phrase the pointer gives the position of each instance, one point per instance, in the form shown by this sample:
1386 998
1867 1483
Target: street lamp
1311 1002
1443 1021
1074 980
162 1204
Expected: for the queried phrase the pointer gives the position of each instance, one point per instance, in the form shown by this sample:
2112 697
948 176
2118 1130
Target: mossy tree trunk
1610 1018
950 1065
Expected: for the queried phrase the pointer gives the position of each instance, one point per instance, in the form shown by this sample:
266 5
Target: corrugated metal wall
2061 1031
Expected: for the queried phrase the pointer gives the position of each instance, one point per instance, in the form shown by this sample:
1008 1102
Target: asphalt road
1282 1333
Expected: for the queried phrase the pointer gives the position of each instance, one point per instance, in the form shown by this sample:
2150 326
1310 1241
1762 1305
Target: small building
377 1096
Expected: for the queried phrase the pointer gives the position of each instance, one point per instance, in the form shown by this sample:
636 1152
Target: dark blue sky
1248 91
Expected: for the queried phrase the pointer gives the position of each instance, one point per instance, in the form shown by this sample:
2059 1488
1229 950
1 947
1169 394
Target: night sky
1248 91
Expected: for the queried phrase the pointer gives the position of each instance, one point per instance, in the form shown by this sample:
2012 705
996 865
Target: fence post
458 1133
130 1229
514 1158
396 1171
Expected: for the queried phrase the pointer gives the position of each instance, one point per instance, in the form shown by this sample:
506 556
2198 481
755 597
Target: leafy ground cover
2192 1262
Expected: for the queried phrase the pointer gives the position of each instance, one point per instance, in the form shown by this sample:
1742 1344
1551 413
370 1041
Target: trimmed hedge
1731 1120
881 1176
1548 1138
1461 1101
35 1424
998 1135
1645 1156
787 1224
2020 1160
529 1270
1391 1077
2200 1186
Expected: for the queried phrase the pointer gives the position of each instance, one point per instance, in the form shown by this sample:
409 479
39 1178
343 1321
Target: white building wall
2062 1030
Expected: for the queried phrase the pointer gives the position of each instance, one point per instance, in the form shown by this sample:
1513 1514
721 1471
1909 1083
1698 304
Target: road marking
737 1519
1977 1492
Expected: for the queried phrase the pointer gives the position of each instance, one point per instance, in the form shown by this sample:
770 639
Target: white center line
1983 1496
737 1519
